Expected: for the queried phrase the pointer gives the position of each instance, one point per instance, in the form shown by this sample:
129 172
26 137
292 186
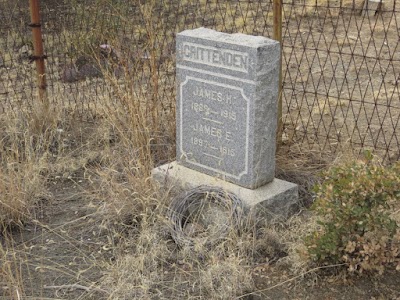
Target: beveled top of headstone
234 38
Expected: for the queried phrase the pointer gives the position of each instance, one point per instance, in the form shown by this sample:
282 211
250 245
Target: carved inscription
214 127
225 58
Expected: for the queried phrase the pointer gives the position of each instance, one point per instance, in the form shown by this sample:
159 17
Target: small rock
90 71
70 74
285 137
119 72
3 89
24 52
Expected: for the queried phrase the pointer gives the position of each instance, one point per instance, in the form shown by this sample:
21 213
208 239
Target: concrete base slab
276 199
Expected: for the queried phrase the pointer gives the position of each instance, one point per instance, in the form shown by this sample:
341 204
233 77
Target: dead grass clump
24 156
10 274
150 264
300 167
128 200
140 266
225 279
20 192
293 235
121 174
135 134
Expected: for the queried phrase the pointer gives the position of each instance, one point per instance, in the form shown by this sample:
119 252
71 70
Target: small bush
356 229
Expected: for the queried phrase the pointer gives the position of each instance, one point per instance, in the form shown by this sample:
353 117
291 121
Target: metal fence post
277 10
38 55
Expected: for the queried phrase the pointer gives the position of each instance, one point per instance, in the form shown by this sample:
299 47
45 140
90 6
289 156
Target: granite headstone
227 105
227 91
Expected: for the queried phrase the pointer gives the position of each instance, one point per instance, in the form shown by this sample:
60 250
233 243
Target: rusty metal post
277 9
38 55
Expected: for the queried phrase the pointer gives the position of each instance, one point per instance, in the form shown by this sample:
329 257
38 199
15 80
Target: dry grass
24 152
11 280
20 190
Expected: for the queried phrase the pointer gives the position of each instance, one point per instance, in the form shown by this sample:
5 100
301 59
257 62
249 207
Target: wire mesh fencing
340 60
341 74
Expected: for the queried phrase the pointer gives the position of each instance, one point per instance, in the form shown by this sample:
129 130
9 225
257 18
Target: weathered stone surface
274 200
227 105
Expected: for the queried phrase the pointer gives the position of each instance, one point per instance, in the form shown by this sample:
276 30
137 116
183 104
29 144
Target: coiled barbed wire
190 209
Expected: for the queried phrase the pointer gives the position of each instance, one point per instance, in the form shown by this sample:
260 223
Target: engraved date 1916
223 150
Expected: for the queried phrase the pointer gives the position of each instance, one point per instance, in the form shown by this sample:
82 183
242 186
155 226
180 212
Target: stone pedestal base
276 199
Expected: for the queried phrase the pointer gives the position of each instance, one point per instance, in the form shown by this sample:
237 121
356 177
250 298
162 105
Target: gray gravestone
227 91
227 105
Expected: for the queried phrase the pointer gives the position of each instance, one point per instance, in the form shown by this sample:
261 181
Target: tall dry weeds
25 145
11 280
25 148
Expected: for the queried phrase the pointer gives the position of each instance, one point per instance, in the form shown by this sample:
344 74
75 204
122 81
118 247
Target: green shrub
354 204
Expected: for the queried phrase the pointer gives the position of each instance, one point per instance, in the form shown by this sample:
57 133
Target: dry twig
75 286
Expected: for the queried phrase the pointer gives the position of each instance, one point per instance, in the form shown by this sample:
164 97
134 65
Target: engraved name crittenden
229 59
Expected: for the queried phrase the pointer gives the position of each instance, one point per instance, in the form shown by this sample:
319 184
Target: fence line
340 58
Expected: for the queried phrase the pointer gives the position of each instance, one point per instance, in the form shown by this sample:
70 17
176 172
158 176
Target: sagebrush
354 204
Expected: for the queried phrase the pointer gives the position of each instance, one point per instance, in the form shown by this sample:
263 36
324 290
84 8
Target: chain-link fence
341 59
